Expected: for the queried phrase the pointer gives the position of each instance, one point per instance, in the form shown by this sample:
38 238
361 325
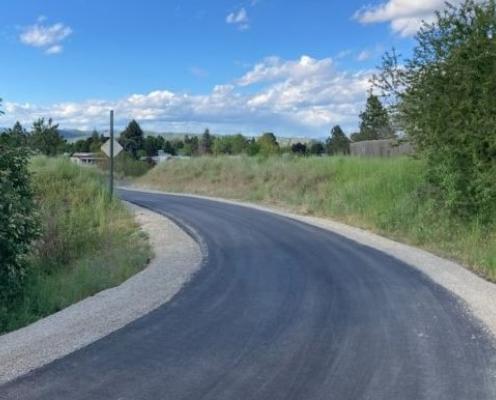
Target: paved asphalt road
281 310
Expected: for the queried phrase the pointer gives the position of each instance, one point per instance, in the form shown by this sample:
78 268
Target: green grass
88 243
388 196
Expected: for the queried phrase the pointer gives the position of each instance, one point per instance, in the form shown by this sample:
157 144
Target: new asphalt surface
280 310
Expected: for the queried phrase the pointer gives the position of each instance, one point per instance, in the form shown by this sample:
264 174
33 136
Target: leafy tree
18 224
317 148
95 142
132 139
230 144
206 143
299 148
374 121
446 101
16 136
268 144
46 138
252 147
191 145
338 142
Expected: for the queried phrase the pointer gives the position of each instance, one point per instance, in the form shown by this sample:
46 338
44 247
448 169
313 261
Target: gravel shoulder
477 294
178 256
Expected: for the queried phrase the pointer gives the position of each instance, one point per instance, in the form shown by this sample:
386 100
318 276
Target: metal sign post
111 148
111 153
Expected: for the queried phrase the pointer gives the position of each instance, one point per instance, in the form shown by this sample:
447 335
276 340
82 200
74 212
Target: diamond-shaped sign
106 148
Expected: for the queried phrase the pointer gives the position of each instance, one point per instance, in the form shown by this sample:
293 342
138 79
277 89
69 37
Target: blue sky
293 67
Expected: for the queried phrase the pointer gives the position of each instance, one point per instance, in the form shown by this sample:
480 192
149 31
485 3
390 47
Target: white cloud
405 16
46 37
302 97
274 68
239 18
364 55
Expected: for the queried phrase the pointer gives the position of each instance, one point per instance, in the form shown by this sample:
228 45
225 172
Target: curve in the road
281 310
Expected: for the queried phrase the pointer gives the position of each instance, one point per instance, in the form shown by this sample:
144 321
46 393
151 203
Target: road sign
106 148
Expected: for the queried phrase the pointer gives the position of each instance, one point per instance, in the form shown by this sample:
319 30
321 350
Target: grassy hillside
88 243
384 195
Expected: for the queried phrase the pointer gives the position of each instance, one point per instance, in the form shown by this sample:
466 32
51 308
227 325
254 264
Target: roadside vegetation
388 196
85 243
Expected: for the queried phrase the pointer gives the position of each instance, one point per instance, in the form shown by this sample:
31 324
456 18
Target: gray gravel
177 257
478 294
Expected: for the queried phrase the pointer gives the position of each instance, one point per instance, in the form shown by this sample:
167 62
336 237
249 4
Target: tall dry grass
88 243
388 196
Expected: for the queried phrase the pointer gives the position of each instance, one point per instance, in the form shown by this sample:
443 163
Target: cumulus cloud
49 38
302 97
239 18
405 16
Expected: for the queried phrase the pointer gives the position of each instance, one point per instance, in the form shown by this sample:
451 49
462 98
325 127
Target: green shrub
87 243
444 99
18 224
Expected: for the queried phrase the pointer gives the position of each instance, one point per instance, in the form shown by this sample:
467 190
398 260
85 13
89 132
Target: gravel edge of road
177 258
477 294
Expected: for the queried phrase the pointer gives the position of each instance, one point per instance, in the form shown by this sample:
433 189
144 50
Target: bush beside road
87 243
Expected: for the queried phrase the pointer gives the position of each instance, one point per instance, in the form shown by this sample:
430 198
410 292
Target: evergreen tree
338 142
46 138
151 146
206 143
132 139
374 121
169 148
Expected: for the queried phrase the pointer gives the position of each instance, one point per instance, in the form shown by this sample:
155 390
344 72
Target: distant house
160 158
85 158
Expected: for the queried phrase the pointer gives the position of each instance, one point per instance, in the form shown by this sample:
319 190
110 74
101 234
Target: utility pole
111 183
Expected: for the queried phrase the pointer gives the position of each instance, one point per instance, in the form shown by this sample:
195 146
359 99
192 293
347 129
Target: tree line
45 138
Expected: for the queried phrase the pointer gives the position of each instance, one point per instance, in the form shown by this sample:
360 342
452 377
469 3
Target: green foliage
132 139
446 101
91 144
230 144
338 142
299 149
374 122
190 147
127 166
169 148
388 195
18 224
316 148
17 136
45 138
87 242
206 143
268 144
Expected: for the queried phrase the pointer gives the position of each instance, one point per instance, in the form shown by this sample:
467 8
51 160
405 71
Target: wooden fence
381 148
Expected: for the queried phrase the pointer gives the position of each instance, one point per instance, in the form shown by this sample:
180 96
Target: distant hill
74 134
